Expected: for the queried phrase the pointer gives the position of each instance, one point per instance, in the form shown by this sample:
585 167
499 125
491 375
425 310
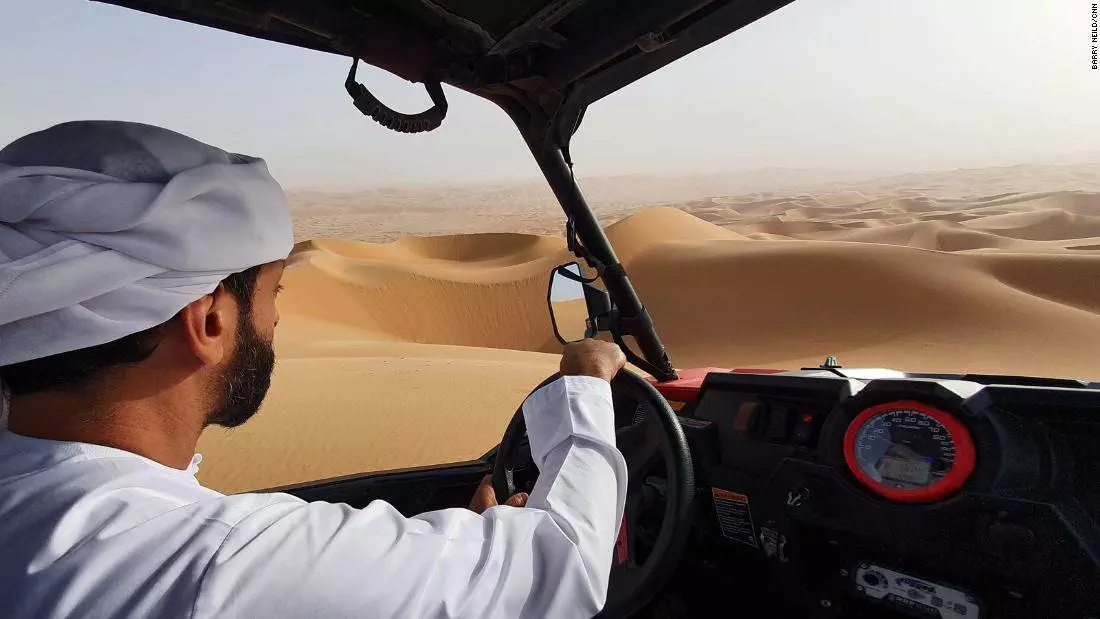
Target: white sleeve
550 559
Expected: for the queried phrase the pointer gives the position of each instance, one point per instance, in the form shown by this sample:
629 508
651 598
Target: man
138 274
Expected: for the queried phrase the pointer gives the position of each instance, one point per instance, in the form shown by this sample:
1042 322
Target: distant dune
417 351
387 213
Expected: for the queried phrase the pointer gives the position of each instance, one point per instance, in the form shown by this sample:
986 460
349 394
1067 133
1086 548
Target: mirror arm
602 315
603 323
567 274
633 357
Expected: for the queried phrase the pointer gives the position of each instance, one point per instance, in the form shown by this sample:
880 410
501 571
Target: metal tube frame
632 313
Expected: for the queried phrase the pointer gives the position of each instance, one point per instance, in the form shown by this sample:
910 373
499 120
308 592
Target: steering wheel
645 435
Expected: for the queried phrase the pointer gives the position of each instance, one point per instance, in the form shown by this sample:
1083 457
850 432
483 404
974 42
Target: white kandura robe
90 531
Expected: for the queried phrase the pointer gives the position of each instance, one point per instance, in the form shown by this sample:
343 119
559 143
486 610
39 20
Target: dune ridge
417 351
796 297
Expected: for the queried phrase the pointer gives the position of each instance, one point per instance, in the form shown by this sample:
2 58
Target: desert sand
416 351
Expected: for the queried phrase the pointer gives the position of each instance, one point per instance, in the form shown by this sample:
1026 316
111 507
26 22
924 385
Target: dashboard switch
803 434
745 419
779 423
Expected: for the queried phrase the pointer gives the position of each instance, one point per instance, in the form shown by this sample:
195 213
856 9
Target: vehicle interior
826 491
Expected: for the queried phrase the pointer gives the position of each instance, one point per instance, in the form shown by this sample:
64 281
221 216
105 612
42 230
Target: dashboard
841 492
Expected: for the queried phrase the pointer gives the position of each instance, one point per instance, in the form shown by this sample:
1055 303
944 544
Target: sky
898 85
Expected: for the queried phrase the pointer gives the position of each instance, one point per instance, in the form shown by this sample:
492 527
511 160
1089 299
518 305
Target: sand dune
1044 225
366 407
417 351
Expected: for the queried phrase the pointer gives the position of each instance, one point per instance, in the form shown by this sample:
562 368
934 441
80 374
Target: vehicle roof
563 53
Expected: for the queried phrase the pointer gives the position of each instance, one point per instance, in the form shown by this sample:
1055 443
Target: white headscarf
110 228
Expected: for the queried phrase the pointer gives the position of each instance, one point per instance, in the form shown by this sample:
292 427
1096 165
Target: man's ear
207 326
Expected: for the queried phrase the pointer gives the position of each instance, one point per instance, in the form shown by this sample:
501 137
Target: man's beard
246 379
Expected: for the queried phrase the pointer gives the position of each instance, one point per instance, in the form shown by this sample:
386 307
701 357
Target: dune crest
417 351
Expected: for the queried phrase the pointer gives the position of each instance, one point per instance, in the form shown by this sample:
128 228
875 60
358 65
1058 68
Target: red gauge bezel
949 484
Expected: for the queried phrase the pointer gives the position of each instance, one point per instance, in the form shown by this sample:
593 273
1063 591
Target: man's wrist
594 374
553 412
586 380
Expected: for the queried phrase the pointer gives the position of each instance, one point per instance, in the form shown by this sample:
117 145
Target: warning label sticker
734 516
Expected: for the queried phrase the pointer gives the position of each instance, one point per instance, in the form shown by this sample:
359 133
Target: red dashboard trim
964 455
686 388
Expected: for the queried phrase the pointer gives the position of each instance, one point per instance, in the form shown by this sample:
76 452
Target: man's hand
587 357
594 358
485 497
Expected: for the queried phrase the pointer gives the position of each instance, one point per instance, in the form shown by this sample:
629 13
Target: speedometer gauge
909 451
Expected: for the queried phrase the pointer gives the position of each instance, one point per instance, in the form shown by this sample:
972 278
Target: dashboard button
803 430
779 423
745 418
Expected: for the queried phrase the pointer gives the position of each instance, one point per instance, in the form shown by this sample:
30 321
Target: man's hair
78 368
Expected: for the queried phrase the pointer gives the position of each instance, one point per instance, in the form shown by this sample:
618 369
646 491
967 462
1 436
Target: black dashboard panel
1021 538
777 410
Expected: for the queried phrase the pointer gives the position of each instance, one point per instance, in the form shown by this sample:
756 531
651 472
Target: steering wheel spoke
641 451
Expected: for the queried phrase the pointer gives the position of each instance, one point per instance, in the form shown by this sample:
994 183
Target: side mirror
575 304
